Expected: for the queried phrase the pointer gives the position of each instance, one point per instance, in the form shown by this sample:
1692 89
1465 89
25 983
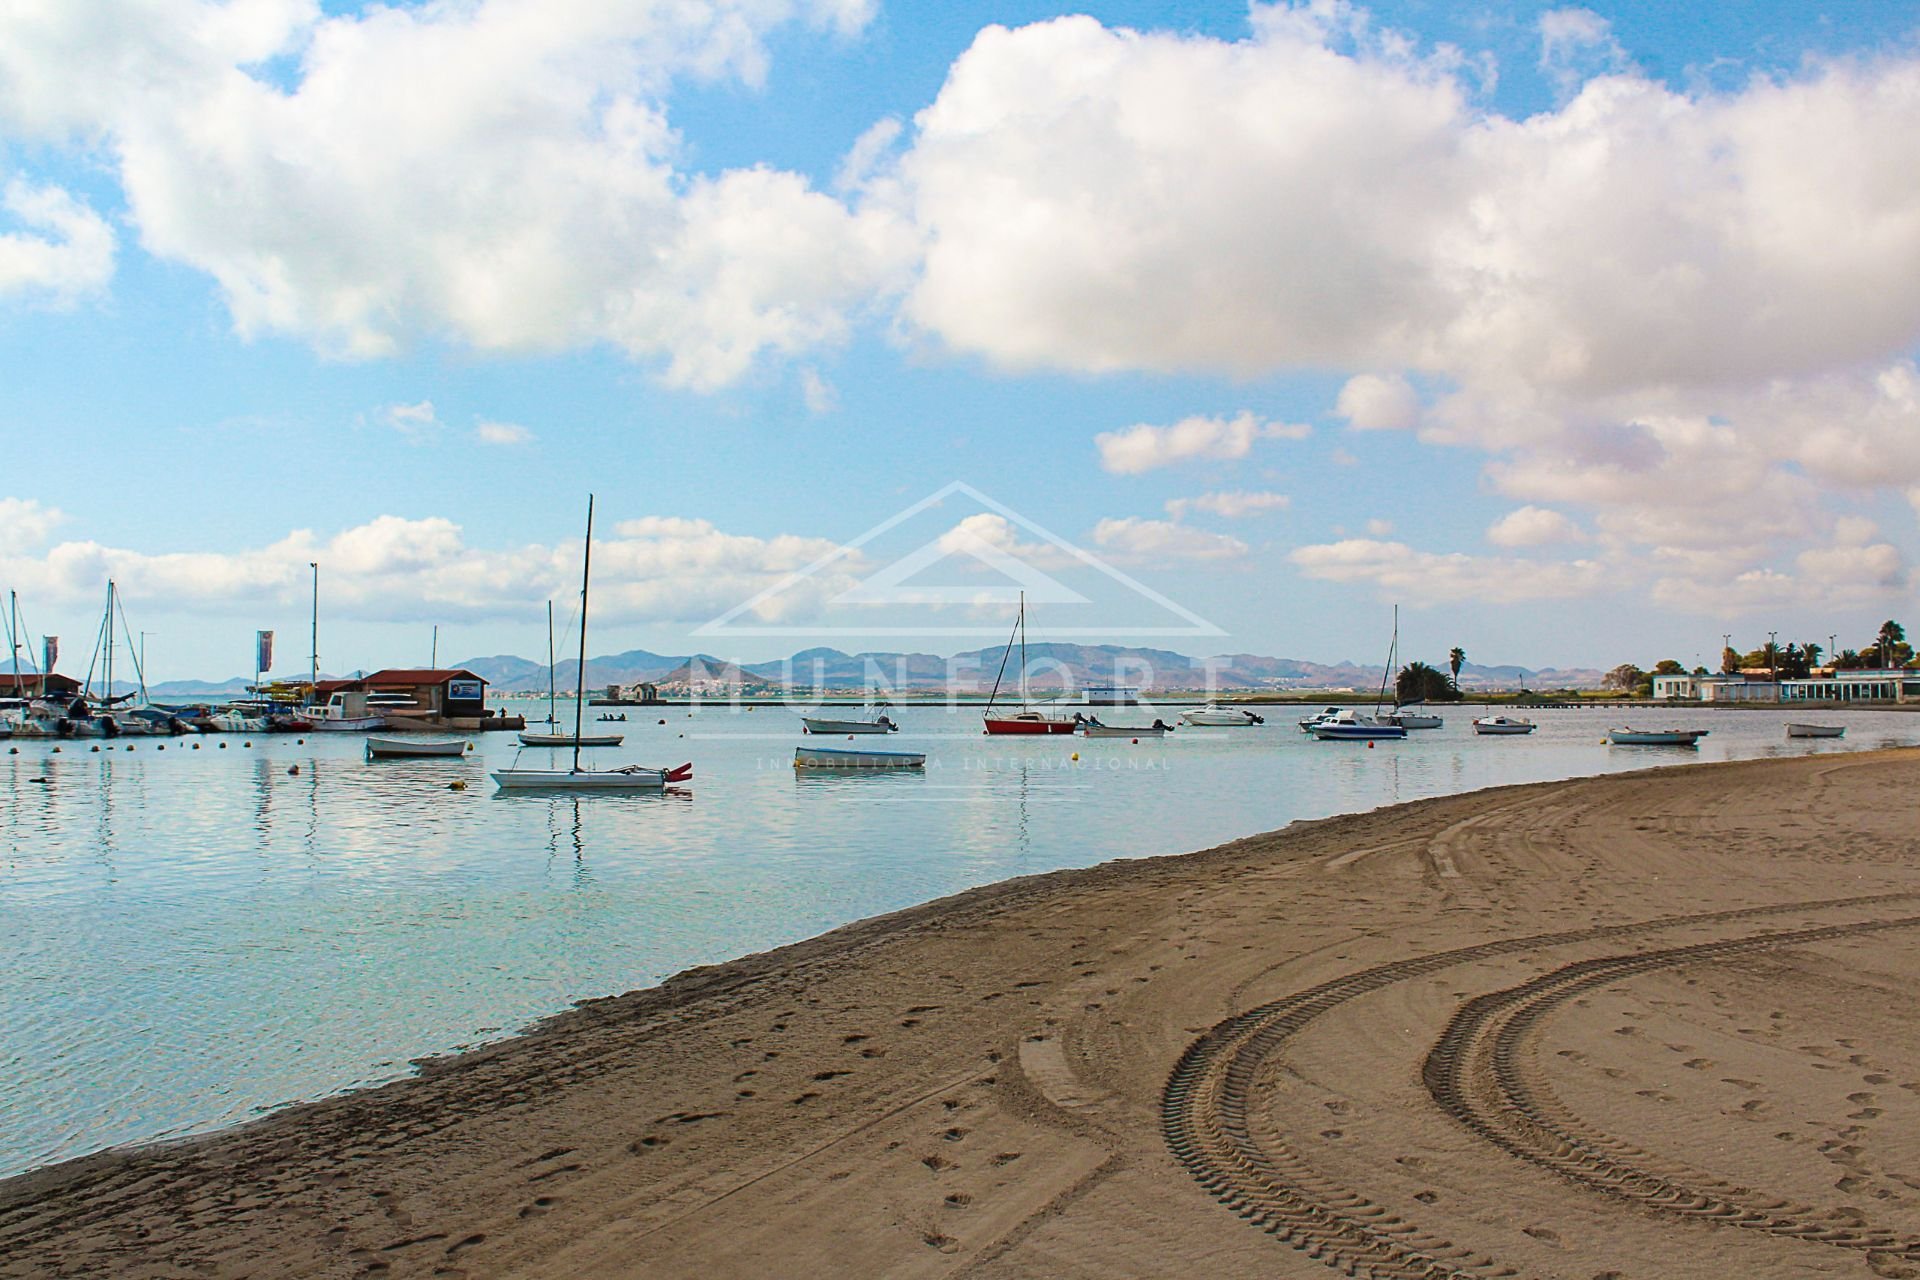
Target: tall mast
434 660
580 681
109 690
13 637
1023 651
551 694
313 667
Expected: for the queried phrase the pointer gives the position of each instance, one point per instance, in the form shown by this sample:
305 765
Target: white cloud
1420 577
25 524
1575 45
71 256
502 433
400 569
1138 541
817 393
1533 527
986 538
1144 447
1377 528
494 173
417 423
1370 402
1232 505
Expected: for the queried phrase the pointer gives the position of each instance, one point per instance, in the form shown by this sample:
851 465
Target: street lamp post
1773 664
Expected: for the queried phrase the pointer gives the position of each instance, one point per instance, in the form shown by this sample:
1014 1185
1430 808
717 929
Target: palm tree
1891 634
1456 659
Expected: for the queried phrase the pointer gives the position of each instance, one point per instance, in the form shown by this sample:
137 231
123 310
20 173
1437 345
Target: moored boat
1216 716
1026 720
1655 737
877 723
411 748
1413 719
1815 730
1094 729
568 739
840 758
631 777
1307 722
1494 726
1350 726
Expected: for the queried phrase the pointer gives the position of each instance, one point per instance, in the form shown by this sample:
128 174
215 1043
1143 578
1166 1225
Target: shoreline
976 1082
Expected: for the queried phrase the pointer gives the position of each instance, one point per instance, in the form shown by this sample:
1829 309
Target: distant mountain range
1051 667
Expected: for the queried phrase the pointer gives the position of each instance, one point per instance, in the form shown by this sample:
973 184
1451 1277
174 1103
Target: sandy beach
1654 1024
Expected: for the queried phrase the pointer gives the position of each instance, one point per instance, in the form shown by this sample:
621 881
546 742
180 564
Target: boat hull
1494 729
566 739
631 778
1406 721
1656 737
408 749
814 725
828 758
1121 731
1815 730
1028 727
345 724
1358 732
1220 719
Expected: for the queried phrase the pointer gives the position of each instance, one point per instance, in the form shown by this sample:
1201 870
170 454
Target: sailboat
1348 725
576 737
631 777
1026 720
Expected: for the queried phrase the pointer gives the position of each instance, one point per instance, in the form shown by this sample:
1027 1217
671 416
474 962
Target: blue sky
1585 334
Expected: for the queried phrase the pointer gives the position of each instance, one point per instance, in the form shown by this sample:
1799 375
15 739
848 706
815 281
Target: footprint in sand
1698 1064
1005 1158
954 1134
937 1162
540 1205
959 1200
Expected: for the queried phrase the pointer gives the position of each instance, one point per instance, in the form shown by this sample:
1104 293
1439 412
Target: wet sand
1655 1024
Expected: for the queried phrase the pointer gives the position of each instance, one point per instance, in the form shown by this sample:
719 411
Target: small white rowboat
1815 730
1655 737
830 758
566 739
1495 725
815 724
415 748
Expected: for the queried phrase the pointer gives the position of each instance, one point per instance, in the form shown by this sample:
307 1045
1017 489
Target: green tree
1669 667
1891 645
1848 660
1626 678
1729 662
1456 659
1812 653
1418 682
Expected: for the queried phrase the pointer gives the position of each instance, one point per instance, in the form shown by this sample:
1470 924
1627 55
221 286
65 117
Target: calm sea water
189 938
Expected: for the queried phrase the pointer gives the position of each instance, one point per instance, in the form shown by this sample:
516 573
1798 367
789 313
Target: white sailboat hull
816 725
1497 726
566 739
1815 730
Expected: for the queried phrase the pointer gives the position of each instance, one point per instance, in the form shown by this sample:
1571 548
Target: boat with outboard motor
1092 728
1218 716
1496 726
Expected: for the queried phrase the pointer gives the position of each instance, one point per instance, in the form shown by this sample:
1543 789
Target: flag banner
51 647
263 652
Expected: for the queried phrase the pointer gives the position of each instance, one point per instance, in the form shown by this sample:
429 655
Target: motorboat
872 719
631 777
343 712
1026 720
840 758
1349 725
1815 730
410 748
1307 722
1216 716
1412 719
1094 729
1497 725
1655 737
